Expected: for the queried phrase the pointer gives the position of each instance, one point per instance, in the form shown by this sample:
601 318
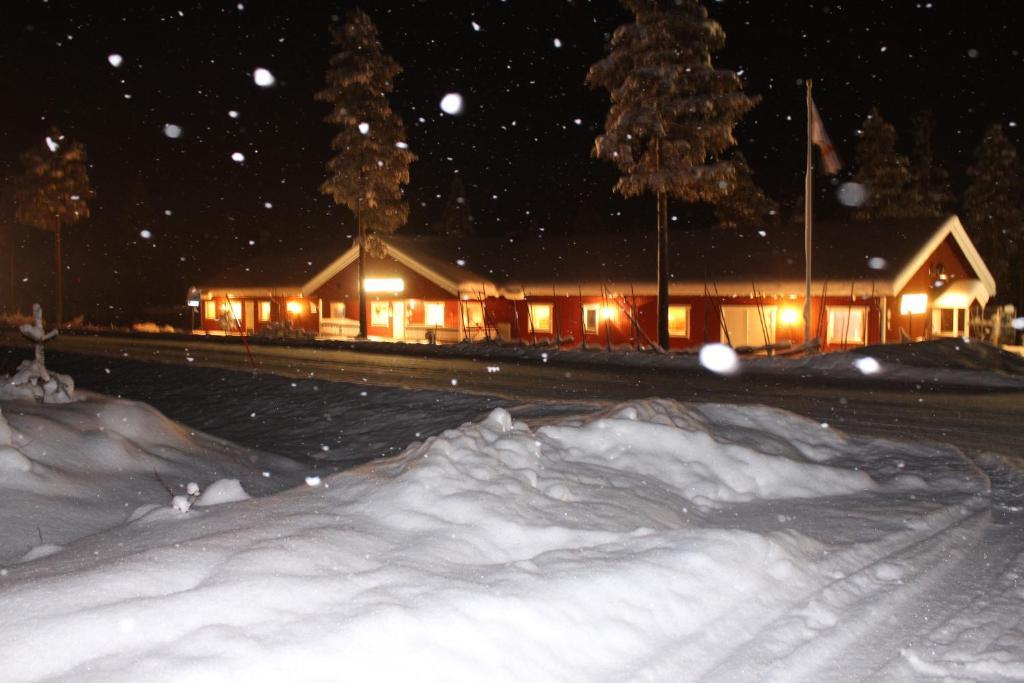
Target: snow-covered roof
867 258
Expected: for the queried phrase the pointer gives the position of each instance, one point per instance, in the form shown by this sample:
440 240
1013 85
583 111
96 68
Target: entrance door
249 321
745 325
398 319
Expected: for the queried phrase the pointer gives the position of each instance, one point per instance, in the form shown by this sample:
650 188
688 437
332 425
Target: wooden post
554 317
361 271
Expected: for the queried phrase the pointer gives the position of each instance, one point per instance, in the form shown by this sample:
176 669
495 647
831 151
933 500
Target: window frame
533 317
836 338
596 310
332 309
686 313
432 306
375 308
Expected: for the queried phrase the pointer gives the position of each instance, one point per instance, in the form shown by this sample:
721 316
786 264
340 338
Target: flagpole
808 199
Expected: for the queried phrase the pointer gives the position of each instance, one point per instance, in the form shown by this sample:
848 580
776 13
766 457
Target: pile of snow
647 542
75 469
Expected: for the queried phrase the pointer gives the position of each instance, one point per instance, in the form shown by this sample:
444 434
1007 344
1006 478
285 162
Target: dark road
973 418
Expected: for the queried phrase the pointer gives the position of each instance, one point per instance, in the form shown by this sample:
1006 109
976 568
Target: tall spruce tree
746 204
53 192
456 217
672 113
883 172
372 161
930 193
994 210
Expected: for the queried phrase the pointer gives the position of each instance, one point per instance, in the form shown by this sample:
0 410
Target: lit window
540 316
434 313
312 308
210 310
591 316
846 325
380 313
473 312
679 321
294 307
232 307
913 304
337 309
264 311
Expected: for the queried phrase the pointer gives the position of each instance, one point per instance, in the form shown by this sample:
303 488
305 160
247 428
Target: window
434 313
210 310
233 307
473 313
679 321
748 325
913 304
337 309
312 308
591 316
264 311
540 316
380 313
846 324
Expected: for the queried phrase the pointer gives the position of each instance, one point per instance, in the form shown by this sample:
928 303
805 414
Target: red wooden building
872 282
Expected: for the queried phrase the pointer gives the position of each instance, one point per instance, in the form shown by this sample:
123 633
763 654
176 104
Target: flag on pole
829 157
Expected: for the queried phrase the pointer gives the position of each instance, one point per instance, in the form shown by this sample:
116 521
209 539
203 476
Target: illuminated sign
194 295
913 304
383 284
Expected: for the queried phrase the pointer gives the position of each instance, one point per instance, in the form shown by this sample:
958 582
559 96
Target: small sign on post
194 295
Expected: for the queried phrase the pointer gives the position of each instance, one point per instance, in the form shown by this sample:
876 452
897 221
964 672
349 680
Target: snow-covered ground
651 541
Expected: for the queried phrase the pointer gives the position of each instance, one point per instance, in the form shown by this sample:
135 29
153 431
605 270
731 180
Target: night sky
522 143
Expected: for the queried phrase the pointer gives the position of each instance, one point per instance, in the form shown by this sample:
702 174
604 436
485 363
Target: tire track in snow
856 626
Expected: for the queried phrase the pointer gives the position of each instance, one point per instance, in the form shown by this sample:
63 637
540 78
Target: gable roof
878 257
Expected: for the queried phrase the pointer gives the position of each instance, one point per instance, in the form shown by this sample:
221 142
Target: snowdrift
70 470
641 543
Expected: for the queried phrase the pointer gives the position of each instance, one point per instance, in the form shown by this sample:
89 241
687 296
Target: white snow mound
584 550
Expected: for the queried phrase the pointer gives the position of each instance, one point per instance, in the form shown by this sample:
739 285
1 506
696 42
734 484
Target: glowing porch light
375 285
913 304
609 313
294 307
789 315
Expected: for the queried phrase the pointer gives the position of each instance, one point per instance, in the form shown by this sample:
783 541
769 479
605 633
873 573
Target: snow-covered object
32 380
77 469
653 541
222 491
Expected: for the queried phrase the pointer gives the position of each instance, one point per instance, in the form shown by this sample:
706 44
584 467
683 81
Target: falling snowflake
719 358
115 60
452 104
145 234
172 131
263 77
237 157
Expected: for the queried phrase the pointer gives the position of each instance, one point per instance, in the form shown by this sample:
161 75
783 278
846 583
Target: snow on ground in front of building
652 541
75 469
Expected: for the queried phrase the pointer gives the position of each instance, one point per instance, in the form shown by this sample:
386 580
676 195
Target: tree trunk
360 275
60 287
663 338
662 256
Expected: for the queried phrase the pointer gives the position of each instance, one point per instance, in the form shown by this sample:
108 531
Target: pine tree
929 193
54 191
372 161
672 113
883 172
746 205
456 218
994 209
